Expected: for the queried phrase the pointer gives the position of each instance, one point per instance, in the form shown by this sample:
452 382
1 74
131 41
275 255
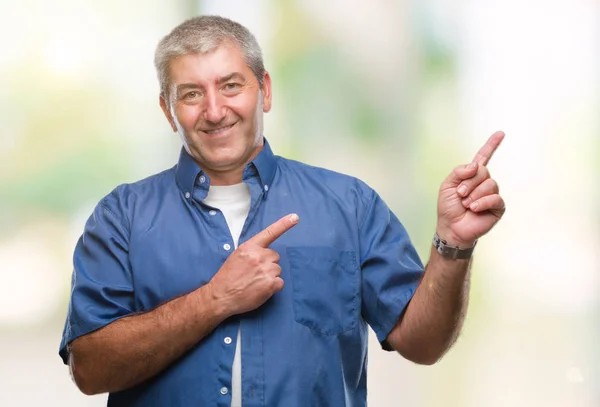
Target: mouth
220 130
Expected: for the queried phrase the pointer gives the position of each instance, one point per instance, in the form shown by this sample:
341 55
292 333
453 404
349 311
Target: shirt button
212 212
224 390
227 340
226 246
266 187
187 195
202 179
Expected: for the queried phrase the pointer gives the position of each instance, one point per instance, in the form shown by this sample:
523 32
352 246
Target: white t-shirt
234 203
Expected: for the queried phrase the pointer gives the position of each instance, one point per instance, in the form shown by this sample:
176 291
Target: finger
493 203
273 232
272 256
487 187
466 186
486 152
459 174
277 284
275 270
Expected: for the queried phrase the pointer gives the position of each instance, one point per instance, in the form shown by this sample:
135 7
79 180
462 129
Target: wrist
452 251
208 298
452 240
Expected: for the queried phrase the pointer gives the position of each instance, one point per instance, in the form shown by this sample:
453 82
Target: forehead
210 66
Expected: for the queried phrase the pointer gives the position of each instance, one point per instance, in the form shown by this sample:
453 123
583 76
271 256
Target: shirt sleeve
390 266
101 284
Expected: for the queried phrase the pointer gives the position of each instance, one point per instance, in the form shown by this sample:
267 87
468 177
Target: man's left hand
469 203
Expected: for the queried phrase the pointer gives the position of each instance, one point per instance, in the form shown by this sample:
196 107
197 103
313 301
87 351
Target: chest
182 250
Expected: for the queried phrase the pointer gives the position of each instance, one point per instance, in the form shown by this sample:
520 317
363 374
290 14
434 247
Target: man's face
217 105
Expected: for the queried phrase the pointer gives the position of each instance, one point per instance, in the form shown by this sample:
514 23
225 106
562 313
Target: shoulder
124 200
347 190
337 181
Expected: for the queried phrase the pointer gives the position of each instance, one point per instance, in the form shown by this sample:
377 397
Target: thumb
460 173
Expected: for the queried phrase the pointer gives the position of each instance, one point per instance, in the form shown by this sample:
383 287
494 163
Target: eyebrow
186 86
233 75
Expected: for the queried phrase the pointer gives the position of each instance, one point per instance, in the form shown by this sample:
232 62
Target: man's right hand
251 274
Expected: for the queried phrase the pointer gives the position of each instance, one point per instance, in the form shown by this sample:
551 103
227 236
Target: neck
224 178
230 176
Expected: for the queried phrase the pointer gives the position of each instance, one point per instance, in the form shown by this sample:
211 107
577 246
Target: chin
224 159
224 156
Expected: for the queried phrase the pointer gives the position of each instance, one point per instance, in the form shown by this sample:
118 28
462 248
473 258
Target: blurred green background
394 92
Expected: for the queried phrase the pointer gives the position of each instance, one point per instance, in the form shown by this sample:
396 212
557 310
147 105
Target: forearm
136 348
469 205
434 317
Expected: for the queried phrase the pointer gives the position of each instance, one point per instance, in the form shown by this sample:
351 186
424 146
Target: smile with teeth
219 130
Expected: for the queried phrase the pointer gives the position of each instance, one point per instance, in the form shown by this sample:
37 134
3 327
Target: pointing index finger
486 152
274 231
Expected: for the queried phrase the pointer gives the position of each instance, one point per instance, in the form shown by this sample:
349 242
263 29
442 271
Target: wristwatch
451 252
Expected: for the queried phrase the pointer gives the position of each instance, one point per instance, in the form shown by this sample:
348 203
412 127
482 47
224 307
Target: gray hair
203 34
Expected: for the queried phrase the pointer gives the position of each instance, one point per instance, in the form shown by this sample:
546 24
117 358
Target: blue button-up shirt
347 264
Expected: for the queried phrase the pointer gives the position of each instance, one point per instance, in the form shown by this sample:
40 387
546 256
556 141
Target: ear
167 112
267 93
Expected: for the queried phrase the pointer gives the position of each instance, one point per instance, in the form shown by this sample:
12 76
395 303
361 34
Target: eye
190 95
231 86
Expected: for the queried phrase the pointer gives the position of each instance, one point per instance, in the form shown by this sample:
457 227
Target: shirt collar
188 169
266 164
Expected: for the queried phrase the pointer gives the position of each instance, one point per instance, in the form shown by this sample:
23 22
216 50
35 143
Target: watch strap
451 252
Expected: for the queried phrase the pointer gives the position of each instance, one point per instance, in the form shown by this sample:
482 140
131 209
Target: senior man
168 310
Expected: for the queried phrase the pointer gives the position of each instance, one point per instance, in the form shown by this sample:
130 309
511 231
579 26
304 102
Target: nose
214 108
